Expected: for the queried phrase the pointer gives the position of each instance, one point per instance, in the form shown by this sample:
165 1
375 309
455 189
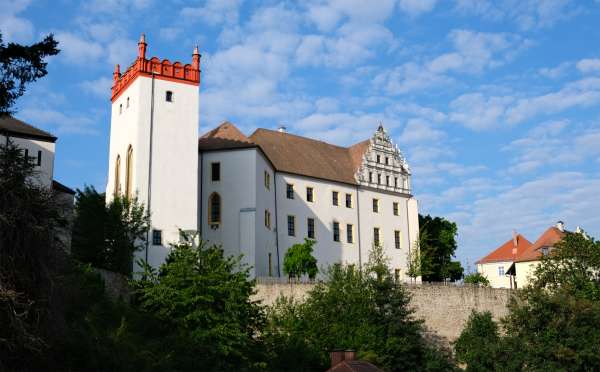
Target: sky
495 104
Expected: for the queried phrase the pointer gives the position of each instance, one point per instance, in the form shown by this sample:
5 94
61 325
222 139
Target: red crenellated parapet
164 70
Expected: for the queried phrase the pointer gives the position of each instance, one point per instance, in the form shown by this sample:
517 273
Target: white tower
154 145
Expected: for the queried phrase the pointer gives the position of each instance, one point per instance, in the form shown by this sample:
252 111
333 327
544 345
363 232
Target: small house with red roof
495 265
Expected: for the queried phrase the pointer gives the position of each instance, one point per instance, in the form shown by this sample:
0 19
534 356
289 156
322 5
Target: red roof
505 251
548 239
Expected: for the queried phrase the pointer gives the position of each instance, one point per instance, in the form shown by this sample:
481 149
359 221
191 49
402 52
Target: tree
299 260
454 271
365 310
437 246
107 235
477 344
205 299
19 65
477 279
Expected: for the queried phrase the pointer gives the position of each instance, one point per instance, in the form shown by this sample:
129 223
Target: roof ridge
302 137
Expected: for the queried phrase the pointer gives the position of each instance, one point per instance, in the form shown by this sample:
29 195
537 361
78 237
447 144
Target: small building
345 361
495 265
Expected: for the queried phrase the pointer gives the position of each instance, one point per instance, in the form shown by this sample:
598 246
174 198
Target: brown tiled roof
354 366
225 136
15 127
504 252
548 239
308 157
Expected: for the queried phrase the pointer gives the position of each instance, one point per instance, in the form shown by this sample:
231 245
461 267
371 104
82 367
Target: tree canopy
437 243
298 260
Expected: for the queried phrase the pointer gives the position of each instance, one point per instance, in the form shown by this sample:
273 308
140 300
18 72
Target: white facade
496 273
40 151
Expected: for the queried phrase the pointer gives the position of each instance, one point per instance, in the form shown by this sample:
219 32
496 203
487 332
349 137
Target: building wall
490 271
237 188
46 169
524 272
173 196
265 236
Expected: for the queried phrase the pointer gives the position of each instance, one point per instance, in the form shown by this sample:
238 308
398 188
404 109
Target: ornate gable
383 165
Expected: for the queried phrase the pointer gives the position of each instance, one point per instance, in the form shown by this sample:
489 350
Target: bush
299 260
477 279
478 342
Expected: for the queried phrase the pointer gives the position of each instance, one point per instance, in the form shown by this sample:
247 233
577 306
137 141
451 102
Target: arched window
129 172
117 189
214 209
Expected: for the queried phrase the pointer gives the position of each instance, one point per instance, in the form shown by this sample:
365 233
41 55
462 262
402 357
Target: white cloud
475 111
589 65
58 122
13 27
419 131
327 14
170 33
555 72
215 12
416 7
76 50
99 87
121 51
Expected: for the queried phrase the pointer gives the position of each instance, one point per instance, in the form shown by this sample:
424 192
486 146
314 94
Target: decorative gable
383 165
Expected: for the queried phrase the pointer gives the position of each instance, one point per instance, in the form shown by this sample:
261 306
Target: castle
255 195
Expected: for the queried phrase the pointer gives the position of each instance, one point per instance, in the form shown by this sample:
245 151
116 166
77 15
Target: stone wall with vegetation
444 308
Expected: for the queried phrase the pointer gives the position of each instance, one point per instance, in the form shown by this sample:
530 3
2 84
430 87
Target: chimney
560 226
282 129
337 356
349 355
196 59
515 243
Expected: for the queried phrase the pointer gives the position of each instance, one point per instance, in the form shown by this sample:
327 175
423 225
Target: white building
255 195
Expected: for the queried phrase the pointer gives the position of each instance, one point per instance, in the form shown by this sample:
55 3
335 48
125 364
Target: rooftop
17 128
505 251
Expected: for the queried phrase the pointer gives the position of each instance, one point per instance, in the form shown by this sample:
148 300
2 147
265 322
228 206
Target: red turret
164 70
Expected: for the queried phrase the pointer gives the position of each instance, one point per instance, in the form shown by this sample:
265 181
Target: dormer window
169 96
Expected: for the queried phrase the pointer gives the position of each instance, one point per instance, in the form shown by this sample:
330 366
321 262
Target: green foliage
454 271
363 310
204 298
19 65
299 260
107 235
437 243
477 345
477 279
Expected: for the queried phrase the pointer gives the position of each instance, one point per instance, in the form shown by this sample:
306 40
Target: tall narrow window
129 172
39 158
215 171
348 200
267 180
127 102
376 240
376 205
289 191
291 222
335 198
379 178
267 219
156 237
397 275
395 208
117 189
397 239
350 233
26 156
379 158
309 194
310 228
387 161
395 181
120 108
387 180
214 209
169 96
336 231
270 266
370 177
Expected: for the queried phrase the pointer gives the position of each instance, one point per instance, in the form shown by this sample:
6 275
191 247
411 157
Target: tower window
291 222
215 171
117 189
336 231
335 196
310 225
376 205
395 208
397 239
379 179
129 172
214 209
156 237
169 96
387 180
120 108
370 177
387 160
289 191
395 181
39 158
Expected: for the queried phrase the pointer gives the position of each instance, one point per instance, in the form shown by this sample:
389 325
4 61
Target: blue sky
495 104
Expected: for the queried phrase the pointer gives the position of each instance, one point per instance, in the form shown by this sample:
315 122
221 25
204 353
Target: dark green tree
437 247
455 271
299 260
205 299
19 65
365 310
477 345
477 279
107 235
